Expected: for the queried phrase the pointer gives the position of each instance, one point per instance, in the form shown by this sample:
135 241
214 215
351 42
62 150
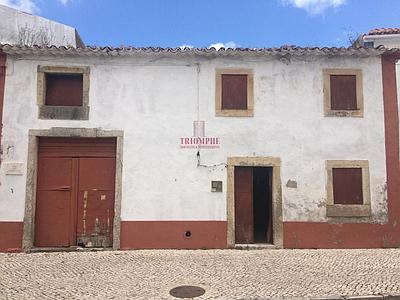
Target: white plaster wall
154 103
12 20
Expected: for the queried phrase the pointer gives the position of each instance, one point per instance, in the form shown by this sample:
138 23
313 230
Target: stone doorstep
254 246
365 297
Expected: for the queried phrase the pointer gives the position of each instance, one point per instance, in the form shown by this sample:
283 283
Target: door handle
62 188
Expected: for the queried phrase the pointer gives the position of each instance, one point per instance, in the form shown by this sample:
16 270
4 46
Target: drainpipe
3 58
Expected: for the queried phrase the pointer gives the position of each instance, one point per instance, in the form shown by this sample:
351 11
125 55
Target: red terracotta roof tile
383 31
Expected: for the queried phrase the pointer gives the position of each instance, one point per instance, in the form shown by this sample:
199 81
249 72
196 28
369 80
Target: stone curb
365 297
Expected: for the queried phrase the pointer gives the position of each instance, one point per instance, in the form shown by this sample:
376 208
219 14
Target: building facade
139 148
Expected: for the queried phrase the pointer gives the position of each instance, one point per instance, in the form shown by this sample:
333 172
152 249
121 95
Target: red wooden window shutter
64 89
347 186
343 92
234 91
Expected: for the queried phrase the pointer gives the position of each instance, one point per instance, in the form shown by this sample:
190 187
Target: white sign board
13 168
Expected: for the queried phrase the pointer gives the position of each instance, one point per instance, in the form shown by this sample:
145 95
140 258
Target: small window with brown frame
63 92
348 188
234 93
343 93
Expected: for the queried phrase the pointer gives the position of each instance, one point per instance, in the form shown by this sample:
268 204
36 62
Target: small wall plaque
216 186
13 168
291 184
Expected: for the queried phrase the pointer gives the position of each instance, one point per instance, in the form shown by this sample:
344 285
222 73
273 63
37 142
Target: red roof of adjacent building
383 31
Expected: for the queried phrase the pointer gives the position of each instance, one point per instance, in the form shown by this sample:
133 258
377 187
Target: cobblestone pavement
225 274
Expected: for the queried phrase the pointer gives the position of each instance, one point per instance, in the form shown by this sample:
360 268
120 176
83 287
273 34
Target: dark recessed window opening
234 91
343 92
369 44
347 186
64 89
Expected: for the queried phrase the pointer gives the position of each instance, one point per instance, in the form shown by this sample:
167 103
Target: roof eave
291 51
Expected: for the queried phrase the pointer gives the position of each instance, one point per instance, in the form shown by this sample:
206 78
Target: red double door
75 192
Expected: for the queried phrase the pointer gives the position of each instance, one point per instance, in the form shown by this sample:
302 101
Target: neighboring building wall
389 38
17 27
389 41
154 103
10 232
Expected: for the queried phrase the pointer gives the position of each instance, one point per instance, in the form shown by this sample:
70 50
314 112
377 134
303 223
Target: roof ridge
130 50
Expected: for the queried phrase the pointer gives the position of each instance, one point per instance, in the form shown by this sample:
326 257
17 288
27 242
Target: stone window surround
328 112
31 178
348 210
62 112
218 93
277 225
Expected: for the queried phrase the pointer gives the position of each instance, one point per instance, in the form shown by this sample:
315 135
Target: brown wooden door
54 202
96 201
244 232
75 192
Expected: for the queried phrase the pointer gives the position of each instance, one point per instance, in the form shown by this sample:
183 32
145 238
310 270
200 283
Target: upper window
348 188
343 93
64 89
234 93
63 93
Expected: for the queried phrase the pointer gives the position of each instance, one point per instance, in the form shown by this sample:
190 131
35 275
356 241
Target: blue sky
200 23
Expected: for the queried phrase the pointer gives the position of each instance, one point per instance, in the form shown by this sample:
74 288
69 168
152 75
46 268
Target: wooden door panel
54 173
97 173
95 218
95 214
53 214
53 203
244 231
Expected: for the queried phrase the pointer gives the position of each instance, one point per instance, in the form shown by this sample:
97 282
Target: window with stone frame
234 93
348 188
343 93
63 92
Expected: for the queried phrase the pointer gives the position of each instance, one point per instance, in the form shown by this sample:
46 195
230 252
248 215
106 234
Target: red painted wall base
213 235
171 234
11 236
337 236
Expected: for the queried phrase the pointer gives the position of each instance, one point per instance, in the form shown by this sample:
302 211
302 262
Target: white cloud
314 6
28 6
186 46
218 46
64 2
